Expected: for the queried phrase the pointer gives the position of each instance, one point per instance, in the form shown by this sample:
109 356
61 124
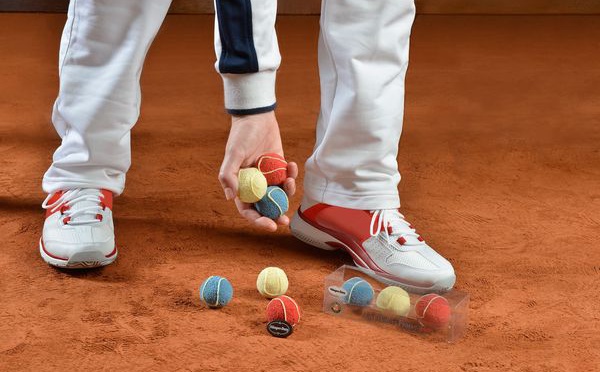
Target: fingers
289 185
283 220
265 223
292 169
228 173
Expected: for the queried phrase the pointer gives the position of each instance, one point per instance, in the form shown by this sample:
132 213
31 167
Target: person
350 196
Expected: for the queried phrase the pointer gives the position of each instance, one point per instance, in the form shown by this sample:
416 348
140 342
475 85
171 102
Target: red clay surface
500 160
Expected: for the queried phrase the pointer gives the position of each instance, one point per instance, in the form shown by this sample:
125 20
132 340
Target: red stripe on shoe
107 199
114 251
354 222
53 199
50 254
355 249
336 245
312 212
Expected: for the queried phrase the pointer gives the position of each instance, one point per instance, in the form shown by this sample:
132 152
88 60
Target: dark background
313 6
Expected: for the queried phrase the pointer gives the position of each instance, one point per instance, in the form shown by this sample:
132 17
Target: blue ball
358 292
274 204
216 292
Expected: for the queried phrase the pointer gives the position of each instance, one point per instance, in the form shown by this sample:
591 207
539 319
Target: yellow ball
252 185
394 300
272 282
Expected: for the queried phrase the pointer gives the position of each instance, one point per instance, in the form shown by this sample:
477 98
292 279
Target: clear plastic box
335 303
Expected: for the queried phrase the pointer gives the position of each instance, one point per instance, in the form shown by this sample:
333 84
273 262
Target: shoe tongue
84 204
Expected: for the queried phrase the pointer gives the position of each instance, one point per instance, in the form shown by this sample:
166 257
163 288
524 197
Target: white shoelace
76 205
401 228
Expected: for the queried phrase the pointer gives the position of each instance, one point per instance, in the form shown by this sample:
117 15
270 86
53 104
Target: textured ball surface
272 282
283 308
274 168
216 292
358 292
395 300
252 185
274 204
433 311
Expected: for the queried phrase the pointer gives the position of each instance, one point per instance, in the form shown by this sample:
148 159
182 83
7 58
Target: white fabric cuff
249 93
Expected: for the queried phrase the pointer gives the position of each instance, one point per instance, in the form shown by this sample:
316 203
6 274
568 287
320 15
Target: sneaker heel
309 234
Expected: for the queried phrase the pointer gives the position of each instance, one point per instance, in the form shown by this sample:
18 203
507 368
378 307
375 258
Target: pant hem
354 201
52 186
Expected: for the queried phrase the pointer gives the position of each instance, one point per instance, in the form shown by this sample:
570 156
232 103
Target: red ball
274 167
433 311
283 308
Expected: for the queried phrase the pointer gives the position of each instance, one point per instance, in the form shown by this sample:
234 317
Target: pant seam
71 33
324 30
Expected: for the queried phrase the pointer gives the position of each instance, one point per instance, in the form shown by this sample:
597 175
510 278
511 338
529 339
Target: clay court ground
500 159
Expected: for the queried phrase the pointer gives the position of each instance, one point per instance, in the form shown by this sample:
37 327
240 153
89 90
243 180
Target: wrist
264 117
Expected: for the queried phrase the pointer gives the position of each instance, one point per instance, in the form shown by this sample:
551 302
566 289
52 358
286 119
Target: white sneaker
381 242
78 231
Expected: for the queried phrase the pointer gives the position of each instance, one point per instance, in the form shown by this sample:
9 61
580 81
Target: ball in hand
273 167
274 204
252 185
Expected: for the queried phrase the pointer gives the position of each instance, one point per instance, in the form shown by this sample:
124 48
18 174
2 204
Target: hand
250 137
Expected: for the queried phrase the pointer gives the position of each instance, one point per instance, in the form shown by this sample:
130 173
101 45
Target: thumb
228 174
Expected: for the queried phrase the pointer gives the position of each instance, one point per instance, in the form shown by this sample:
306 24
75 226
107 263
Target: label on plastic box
337 291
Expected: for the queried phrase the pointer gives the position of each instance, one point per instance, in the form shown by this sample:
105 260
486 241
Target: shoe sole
311 235
81 260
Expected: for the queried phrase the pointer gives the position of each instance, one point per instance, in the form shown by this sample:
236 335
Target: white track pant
102 52
363 57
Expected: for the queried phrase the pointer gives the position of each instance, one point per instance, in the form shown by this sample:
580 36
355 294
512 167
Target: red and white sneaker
78 231
381 242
